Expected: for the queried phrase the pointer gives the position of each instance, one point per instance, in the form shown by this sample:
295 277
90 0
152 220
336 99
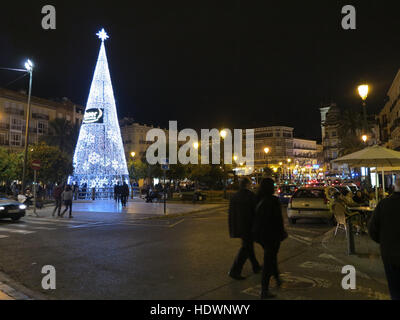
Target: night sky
209 64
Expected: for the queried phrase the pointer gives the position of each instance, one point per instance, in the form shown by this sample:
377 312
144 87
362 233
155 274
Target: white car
310 203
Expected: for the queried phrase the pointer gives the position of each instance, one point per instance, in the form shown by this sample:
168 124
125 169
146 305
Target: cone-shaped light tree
99 159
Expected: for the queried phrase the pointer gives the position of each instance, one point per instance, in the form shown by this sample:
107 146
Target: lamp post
223 135
363 91
29 69
290 175
267 150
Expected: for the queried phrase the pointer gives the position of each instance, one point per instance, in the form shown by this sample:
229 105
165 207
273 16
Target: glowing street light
363 91
364 138
133 154
223 134
235 158
196 145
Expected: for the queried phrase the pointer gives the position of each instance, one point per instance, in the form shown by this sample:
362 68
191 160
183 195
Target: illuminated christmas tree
99 159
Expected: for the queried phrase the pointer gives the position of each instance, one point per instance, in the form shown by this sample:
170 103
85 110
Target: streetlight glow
223 134
364 138
28 65
267 150
133 154
363 91
196 145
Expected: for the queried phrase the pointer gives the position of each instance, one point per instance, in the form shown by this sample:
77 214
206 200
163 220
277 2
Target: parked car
285 192
310 203
353 187
343 189
10 209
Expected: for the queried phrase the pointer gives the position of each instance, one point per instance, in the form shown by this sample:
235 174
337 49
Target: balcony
15 112
40 116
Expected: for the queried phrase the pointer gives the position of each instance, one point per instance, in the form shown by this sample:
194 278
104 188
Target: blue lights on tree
99 159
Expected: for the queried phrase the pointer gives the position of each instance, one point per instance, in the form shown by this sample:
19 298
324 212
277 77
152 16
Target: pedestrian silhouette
241 218
269 232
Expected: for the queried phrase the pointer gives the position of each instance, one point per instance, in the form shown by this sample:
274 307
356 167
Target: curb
15 291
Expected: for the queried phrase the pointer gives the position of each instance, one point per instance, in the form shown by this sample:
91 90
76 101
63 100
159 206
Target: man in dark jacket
241 216
384 228
124 194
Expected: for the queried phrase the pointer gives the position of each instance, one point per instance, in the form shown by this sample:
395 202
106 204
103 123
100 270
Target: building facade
13 112
134 137
330 125
389 117
278 139
305 152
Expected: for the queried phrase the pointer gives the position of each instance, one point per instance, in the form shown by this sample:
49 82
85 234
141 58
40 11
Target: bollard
350 238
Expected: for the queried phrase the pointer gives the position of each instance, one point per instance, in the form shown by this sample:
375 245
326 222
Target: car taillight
279 190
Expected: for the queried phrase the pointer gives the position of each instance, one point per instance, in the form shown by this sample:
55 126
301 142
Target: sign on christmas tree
99 159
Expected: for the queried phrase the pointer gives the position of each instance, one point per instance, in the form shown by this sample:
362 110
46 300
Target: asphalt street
115 256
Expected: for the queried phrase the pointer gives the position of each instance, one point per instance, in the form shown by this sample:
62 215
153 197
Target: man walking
241 217
384 229
67 196
57 198
124 194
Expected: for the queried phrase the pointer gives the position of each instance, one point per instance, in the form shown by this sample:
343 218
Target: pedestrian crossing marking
16 231
25 226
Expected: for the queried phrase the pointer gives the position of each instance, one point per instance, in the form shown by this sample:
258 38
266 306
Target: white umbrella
376 156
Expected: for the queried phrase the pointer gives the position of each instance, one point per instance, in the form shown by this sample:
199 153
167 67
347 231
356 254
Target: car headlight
22 207
2 208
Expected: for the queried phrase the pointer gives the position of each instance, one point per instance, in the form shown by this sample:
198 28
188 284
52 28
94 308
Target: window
42 127
16 124
3 139
310 194
15 139
334 133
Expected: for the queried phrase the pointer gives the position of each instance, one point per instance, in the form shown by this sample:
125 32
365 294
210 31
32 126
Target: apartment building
13 113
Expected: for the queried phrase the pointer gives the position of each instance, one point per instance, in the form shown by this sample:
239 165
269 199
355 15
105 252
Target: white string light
99 159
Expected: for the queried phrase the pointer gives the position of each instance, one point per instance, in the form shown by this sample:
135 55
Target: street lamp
133 154
196 145
290 175
267 150
364 138
223 134
29 69
363 91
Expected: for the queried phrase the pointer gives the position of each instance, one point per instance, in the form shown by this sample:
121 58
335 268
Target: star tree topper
102 34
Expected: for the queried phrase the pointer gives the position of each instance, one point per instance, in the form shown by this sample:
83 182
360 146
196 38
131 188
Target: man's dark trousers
393 278
245 252
58 207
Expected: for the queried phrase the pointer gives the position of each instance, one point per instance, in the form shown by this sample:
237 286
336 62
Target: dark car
10 209
285 192
343 189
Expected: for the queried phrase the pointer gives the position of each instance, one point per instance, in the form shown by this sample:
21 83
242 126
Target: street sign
36 165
